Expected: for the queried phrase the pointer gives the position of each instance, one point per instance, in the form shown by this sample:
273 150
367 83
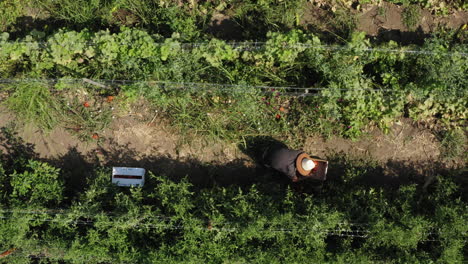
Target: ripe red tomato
86 104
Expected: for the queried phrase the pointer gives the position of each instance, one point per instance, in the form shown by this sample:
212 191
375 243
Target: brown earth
383 21
386 23
147 140
404 142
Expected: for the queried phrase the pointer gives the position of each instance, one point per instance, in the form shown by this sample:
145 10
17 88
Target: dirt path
404 142
383 22
133 140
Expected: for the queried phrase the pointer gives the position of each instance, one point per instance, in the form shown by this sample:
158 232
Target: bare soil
381 22
405 142
149 141
384 21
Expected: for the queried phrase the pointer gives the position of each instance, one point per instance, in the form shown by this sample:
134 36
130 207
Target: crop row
361 85
74 217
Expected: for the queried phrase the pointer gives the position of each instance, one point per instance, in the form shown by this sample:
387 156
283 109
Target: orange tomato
278 116
95 136
86 104
281 109
110 98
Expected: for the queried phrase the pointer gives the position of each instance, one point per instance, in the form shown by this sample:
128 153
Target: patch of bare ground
147 140
404 142
223 26
158 138
384 21
314 16
154 136
405 150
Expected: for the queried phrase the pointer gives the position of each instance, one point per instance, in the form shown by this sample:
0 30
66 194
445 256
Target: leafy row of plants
57 215
361 85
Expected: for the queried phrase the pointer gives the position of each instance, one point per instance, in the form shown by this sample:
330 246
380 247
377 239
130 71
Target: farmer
295 164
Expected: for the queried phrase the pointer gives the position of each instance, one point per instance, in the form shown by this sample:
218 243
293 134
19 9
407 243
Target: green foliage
10 10
85 121
363 88
81 11
164 18
38 185
34 102
411 16
176 198
453 144
3 185
173 221
256 18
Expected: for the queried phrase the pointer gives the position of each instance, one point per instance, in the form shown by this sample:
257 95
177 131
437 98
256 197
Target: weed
257 18
75 11
87 119
344 23
453 144
382 11
10 10
34 102
410 16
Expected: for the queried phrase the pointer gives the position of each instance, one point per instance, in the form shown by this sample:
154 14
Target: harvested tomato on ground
8 252
110 98
86 104
95 136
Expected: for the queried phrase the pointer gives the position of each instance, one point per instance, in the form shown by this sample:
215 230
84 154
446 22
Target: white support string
224 227
194 87
246 46
198 87
338 232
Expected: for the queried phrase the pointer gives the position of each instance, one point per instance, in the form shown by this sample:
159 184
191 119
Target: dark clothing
281 159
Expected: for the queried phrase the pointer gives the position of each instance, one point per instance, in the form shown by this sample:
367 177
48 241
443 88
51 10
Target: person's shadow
255 147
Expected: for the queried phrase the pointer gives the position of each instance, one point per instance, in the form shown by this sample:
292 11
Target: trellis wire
166 86
116 261
42 255
342 232
199 87
169 226
256 45
56 212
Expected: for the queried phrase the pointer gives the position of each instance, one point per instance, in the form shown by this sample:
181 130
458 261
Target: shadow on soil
77 167
403 37
25 24
228 29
